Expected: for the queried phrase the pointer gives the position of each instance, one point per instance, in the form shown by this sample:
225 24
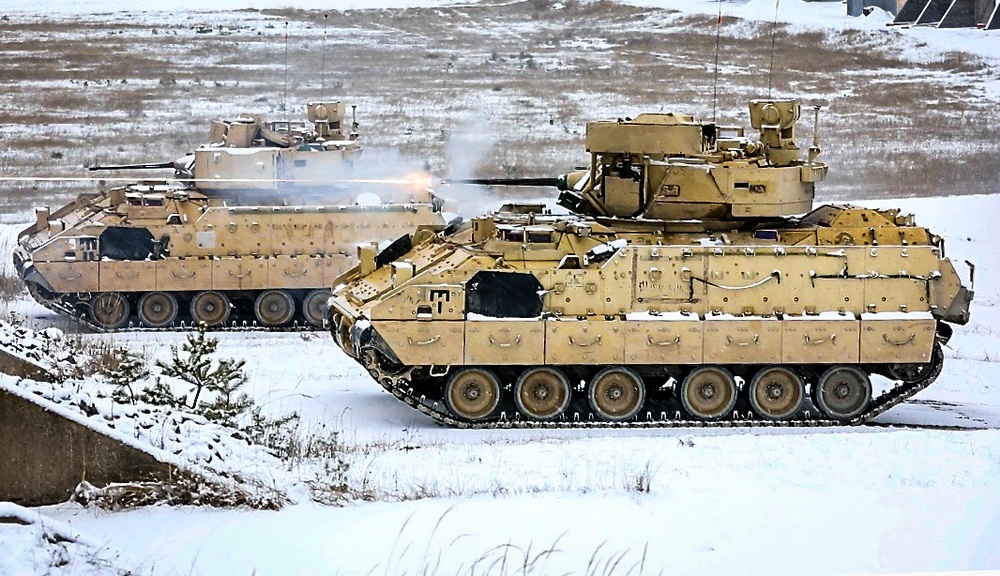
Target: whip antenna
774 31
715 84
284 94
322 72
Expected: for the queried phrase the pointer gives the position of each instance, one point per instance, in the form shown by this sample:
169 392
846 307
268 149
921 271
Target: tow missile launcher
692 283
233 239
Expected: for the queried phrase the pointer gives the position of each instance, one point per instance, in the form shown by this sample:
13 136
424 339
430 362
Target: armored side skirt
873 339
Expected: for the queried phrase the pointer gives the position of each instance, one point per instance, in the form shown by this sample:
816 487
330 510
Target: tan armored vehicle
229 241
681 290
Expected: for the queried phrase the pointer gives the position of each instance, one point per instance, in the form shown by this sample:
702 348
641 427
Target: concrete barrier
45 454
19 367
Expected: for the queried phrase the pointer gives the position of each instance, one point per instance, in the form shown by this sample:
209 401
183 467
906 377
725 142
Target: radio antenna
322 72
715 83
774 32
284 94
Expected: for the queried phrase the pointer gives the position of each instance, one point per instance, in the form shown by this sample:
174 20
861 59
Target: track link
398 385
76 315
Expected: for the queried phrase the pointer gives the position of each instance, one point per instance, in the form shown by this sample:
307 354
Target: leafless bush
180 488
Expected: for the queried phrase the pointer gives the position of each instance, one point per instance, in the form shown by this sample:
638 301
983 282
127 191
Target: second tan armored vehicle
681 290
229 241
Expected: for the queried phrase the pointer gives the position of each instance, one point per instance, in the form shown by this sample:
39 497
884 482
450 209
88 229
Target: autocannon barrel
557 182
143 166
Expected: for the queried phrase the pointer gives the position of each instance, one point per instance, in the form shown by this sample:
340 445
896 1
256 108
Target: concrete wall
21 368
43 455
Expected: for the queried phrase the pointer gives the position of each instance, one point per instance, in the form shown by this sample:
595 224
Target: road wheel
616 393
109 310
314 307
210 307
157 309
472 393
777 393
274 308
542 393
709 392
843 392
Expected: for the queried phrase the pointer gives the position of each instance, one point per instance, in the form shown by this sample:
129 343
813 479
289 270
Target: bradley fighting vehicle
681 290
228 238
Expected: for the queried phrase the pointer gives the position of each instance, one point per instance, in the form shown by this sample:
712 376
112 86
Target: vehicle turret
673 167
250 159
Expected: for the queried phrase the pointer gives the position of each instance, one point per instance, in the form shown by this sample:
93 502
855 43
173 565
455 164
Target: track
398 385
77 315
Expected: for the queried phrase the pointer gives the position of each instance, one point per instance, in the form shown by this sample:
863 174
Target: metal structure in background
950 14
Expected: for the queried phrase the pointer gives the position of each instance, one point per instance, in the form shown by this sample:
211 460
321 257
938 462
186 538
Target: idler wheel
777 393
709 392
274 308
210 307
911 373
314 307
472 393
109 310
843 392
616 394
542 393
157 309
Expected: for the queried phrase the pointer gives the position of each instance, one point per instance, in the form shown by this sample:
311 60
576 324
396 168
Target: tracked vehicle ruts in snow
682 290
228 240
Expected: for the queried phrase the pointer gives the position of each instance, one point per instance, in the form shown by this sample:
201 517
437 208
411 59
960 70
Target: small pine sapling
160 394
279 434
193 362
215 385
228 402
125 370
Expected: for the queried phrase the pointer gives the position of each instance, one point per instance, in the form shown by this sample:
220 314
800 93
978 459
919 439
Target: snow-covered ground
754 501
31 543
839 500
823 14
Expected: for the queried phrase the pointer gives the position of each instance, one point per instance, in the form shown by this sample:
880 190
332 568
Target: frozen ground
867 500
690 501
489 88
31 543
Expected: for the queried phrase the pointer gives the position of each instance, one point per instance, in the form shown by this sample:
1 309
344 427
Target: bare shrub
181 488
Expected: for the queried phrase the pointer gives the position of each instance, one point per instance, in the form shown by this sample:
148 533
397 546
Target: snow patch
31 543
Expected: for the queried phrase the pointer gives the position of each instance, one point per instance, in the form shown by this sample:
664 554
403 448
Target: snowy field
920 496
489 88
689 501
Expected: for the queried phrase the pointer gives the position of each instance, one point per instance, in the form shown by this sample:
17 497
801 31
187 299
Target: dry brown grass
120 91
